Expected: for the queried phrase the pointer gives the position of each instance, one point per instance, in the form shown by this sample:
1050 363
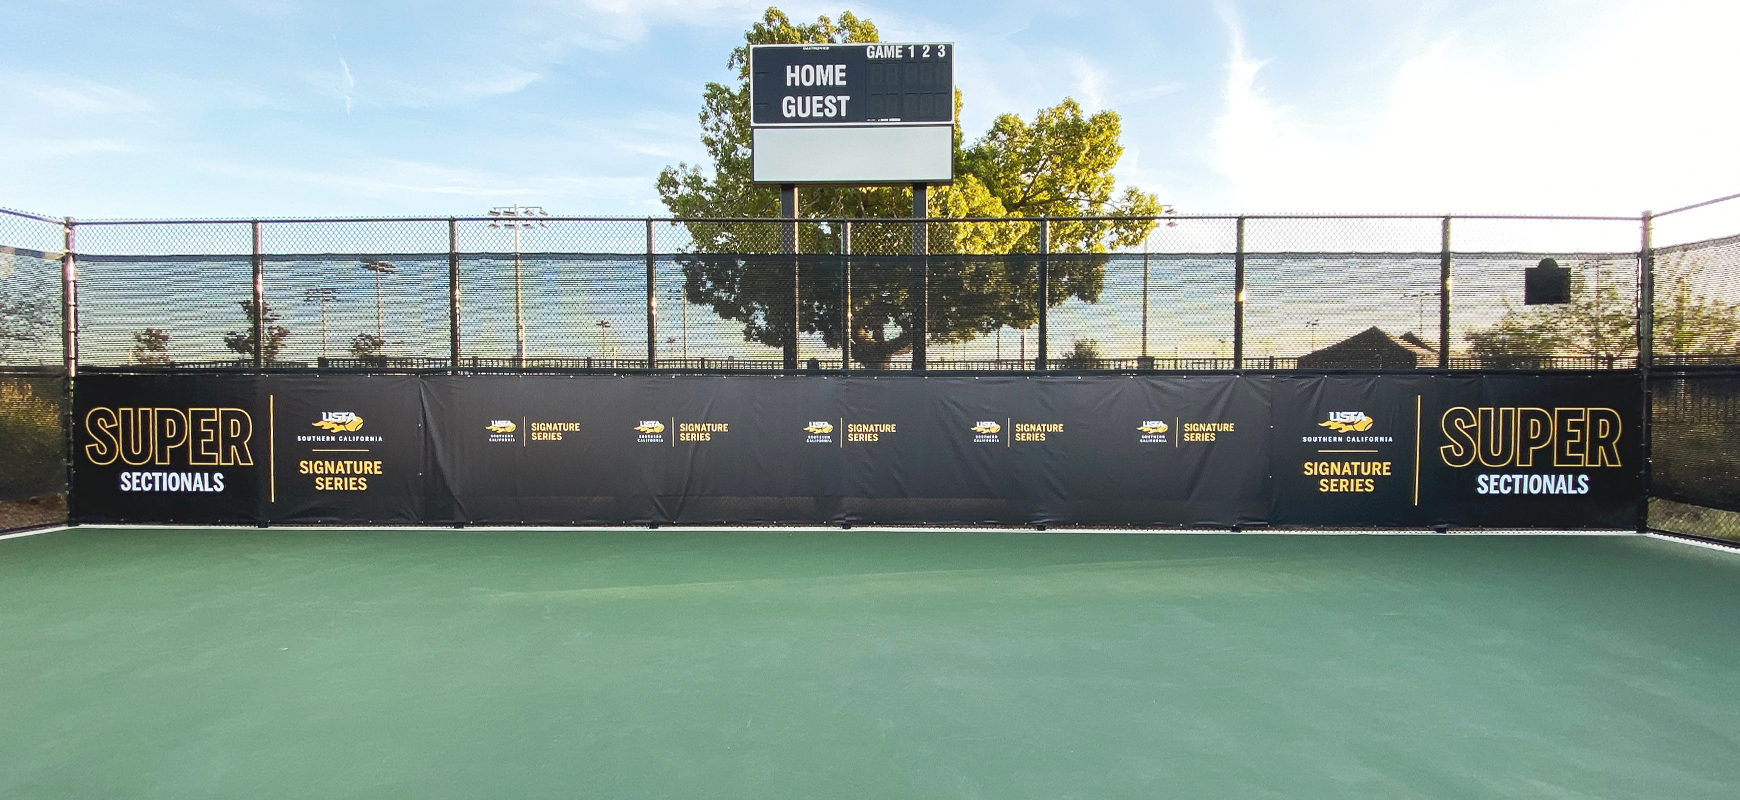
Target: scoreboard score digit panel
853 113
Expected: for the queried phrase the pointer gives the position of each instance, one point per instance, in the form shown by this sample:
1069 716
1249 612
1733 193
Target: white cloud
504 80
394 178
1631 110
349 84
613 24
41 147
37 95
1090 83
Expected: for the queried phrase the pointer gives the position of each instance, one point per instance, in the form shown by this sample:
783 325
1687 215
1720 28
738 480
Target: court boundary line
34 531
882 528
1695 541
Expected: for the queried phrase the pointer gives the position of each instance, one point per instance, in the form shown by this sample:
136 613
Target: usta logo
650 426
987 427
337 421
819 428
1347 422
502 426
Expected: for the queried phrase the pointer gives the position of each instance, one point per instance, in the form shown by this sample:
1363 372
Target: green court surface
863 664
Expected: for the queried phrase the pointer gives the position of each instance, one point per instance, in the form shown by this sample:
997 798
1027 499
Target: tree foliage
27 314
245 342
366 345
1687 322
1084 354
1057 164
1598 322
150 346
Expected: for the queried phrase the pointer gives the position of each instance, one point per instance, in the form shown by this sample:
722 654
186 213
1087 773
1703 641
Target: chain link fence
520 290
33 437
1694 387
545 293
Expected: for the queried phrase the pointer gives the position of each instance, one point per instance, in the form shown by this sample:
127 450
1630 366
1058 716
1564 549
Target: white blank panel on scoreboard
855 155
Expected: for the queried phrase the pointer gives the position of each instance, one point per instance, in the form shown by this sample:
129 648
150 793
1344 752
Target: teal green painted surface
243 664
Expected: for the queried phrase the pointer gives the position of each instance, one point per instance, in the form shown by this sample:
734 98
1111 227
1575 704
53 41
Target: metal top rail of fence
1221 292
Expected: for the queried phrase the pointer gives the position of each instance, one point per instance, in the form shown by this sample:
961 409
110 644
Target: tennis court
157 662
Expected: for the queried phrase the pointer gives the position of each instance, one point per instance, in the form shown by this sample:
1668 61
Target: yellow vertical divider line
1417 450
1009 432
272 444
842 433
525 432
671 433
1177 431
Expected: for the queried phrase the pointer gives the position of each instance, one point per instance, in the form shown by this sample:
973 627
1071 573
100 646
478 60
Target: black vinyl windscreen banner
1175 450
247 449
1558 451
640 450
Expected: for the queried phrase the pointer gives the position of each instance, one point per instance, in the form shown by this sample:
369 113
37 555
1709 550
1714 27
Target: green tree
31 435
26 318
1084 354
244 342
1688 323
1599 322
1058 164
150 346
366 345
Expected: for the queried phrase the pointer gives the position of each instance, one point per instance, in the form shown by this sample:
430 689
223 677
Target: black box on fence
1546 284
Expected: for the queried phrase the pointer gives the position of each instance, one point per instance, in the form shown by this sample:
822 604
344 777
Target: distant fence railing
733 364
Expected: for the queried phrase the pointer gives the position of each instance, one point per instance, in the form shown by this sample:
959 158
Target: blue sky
261 108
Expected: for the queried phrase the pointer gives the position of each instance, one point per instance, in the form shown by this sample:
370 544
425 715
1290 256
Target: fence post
1044 289
259 301
69 303
1444 295
453 294
921 276
788 208
652 311
1646 297
846 295
1238 348
1646 360
1139 364
69 342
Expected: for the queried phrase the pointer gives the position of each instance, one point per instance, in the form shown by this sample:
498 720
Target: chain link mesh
1697 302
536 292
1158 293
1695 419
30 291
32 389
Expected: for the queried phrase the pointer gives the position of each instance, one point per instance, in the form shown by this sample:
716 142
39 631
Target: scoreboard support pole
846 295
788 208
921 273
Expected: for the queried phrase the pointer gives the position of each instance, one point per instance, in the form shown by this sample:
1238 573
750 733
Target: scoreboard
852 113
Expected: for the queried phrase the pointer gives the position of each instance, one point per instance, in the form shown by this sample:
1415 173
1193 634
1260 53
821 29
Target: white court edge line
1723 548
22 534
870 529
1708 545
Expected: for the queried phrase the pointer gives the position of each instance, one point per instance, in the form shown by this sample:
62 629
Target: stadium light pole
1171 223
1420 308
514 218
676 295
323 295
379 268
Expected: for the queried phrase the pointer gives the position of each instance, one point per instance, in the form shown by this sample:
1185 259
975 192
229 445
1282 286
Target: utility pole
379 268
322 295
515 218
